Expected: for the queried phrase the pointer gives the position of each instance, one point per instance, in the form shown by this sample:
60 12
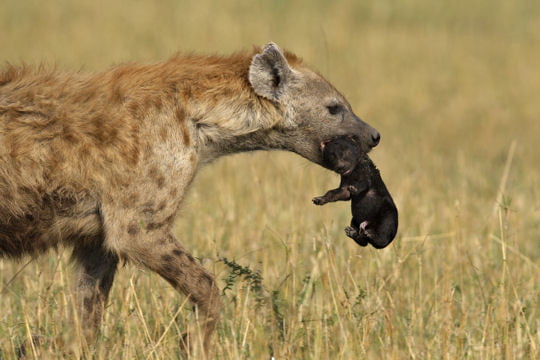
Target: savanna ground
454 88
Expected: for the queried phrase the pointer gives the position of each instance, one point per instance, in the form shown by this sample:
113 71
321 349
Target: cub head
314 112
341 155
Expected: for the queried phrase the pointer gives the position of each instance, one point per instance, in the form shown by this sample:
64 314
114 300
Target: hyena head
314 111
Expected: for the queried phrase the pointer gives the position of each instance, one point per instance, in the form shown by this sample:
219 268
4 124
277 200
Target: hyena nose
375 138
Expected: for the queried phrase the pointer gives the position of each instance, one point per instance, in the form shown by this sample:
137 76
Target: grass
452 86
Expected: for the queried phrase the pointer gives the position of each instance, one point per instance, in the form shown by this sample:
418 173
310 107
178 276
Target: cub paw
351 232
318 201
356 236
363 227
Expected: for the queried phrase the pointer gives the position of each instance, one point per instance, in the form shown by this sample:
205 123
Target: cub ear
269 72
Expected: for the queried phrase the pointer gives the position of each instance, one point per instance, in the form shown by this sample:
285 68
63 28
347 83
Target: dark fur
375 216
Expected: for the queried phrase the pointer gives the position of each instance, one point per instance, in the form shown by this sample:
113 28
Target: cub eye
334 109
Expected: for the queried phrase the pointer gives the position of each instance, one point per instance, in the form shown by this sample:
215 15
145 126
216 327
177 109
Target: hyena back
101 162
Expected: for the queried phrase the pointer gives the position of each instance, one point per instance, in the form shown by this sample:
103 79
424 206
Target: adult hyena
101 162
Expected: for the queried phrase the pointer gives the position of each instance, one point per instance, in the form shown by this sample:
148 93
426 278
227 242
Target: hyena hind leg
96 268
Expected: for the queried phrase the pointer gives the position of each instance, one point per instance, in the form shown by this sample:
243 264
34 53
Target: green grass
454 89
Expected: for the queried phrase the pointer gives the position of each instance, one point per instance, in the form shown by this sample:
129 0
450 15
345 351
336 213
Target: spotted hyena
101 162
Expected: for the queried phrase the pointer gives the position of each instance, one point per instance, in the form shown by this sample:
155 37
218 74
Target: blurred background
454 89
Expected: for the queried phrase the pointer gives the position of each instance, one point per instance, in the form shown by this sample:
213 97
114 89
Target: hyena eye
334 109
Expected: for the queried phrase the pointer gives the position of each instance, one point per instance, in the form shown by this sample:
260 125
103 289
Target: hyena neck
227 115
265 139
248 125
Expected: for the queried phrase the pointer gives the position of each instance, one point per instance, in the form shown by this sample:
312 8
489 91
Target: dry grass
454 89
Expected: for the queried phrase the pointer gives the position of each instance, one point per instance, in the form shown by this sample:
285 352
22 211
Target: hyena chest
52 220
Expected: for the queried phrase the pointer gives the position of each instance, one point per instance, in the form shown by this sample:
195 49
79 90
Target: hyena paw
185 343
318 200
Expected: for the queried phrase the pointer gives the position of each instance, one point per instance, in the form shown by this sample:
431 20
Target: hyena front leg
96 268
144 237
186 275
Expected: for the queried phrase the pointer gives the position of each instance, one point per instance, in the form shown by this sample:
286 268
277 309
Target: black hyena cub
375 216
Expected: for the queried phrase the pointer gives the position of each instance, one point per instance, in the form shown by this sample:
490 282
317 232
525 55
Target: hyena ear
269 72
